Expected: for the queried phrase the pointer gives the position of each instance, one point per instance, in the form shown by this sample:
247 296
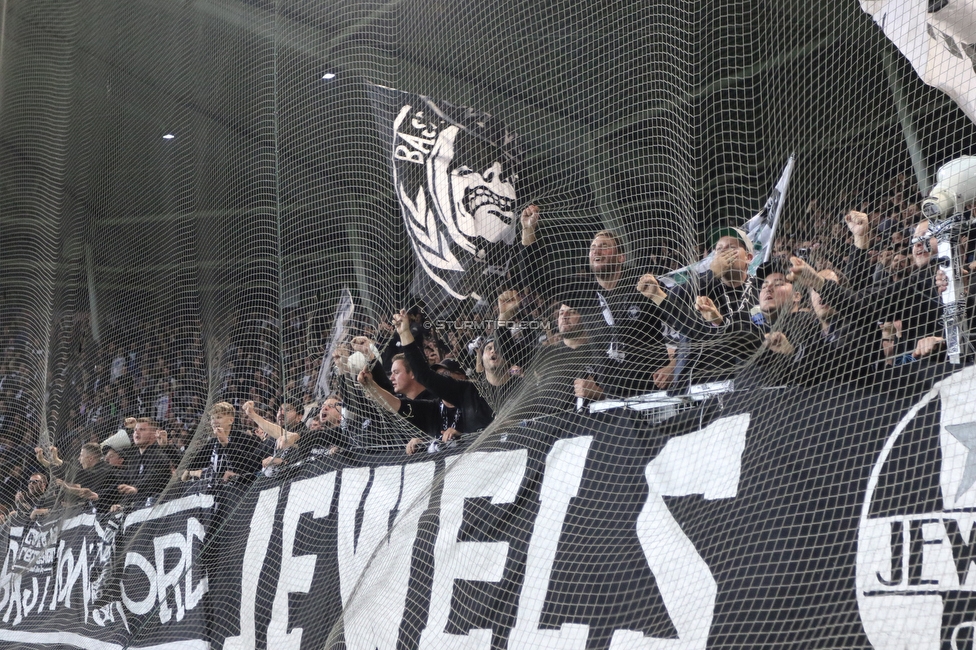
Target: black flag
454 174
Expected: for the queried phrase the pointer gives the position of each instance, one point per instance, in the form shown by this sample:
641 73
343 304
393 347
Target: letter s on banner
706 462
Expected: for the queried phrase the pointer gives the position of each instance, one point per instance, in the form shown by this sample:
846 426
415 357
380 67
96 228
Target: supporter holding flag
438 419
401 392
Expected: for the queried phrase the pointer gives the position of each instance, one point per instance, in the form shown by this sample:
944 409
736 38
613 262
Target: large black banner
81 581
835 517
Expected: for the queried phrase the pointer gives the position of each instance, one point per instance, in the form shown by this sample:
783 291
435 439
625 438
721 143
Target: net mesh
213 213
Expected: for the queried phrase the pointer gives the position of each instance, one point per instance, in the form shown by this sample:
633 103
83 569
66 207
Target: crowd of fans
850 298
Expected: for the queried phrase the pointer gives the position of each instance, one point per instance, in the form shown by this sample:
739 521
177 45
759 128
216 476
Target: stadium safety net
424 324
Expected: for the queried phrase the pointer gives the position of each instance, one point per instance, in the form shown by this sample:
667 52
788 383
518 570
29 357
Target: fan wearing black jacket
94 482
230 454
551 372
437 419
146 470
449 386
618 319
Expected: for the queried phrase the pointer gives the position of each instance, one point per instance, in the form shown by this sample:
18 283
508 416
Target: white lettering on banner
68 572
145 605
56 590
706 462
561 482
262 524
419 146
166 579
374 572
7 578
105 615
167 509
14 606
20 602
310 495
162 583
479 474
916 554
194 593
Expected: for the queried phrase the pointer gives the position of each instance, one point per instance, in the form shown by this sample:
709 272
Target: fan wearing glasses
36 501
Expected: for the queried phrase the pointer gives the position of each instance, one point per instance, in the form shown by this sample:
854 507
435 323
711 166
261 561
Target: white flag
761 229
344 312
938 37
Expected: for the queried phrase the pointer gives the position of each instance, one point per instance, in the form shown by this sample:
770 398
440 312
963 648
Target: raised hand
530 220
365 378
778 343
804 275
650 288
708 310
364 345
530 217
860 227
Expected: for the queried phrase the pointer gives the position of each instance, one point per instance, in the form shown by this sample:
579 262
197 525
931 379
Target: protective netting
678 366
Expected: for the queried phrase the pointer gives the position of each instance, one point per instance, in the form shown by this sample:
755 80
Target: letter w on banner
938 37
454 174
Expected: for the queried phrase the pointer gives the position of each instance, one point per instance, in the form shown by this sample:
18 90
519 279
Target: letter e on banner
560 483
311 495
478 474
